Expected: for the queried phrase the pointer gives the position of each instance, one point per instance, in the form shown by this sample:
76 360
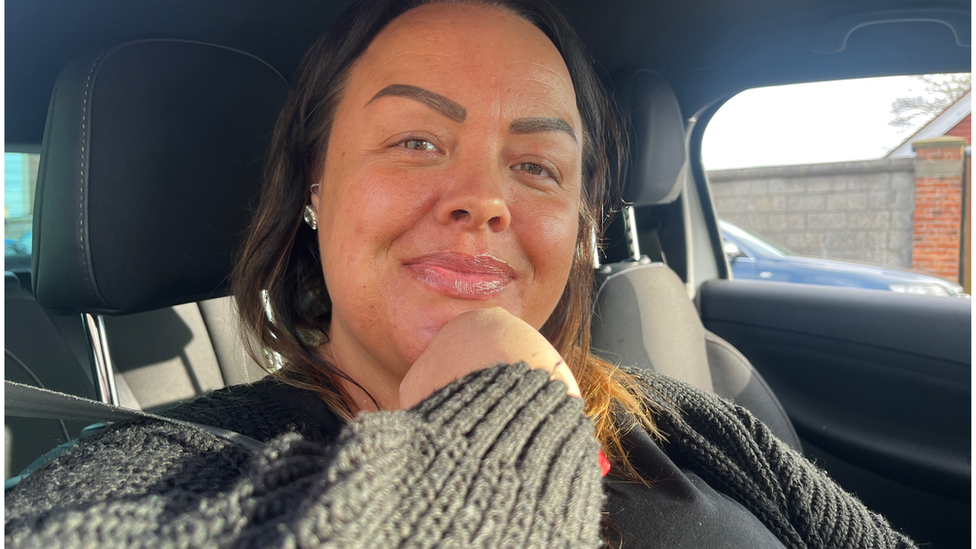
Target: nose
475 200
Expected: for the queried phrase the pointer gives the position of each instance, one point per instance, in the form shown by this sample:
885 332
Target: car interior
151 121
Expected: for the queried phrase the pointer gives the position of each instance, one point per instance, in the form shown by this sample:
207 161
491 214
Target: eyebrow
457 113
541 124
433 100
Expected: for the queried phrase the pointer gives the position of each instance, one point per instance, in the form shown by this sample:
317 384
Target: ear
315 195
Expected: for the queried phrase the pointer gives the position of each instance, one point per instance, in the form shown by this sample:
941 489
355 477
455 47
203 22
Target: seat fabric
643 317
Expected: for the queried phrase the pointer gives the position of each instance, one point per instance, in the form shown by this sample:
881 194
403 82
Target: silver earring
309 217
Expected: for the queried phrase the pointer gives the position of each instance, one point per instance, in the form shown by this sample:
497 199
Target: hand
476 340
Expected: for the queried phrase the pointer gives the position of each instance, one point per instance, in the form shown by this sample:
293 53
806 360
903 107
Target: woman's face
451 182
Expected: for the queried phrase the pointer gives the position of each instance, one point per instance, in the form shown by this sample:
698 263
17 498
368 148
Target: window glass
20 178
861 183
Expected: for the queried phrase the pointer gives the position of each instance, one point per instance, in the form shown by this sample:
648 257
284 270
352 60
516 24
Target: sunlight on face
451 182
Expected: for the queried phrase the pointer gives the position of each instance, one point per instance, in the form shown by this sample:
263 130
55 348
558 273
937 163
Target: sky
807 123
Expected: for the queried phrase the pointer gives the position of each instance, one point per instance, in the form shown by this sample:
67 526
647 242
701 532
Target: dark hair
278 279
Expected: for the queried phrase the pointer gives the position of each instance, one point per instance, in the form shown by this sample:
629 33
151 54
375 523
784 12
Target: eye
417 145
534 169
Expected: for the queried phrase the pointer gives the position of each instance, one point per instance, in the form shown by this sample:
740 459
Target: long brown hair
278 279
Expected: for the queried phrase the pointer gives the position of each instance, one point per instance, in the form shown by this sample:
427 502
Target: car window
751 241
861 183
20 178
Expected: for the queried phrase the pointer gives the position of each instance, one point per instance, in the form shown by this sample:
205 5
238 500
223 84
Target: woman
419 265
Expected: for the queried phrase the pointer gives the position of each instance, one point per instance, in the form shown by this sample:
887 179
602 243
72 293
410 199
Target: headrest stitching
81 185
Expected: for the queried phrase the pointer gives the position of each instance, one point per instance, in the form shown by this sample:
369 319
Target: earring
309 217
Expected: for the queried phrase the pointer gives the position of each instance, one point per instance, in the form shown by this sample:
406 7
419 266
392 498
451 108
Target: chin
415 334
408 349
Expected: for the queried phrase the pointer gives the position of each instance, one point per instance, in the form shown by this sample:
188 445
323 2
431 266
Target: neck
378 387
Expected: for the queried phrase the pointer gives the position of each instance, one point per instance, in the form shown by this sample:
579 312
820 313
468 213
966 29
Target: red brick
963 129
937 218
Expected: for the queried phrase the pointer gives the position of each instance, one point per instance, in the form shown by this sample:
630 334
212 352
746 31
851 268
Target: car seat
152 155
37 354
643 315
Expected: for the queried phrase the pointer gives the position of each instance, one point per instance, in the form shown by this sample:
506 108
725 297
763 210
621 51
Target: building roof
942 123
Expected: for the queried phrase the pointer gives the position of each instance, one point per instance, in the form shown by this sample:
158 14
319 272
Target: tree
941 90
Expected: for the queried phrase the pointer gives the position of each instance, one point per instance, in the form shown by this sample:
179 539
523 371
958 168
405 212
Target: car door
877 384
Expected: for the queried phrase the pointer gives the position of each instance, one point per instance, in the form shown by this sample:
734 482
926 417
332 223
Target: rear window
19 181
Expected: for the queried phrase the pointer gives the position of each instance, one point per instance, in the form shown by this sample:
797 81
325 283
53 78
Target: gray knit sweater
501 458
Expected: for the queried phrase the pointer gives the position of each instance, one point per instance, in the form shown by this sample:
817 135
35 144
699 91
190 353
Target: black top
677 510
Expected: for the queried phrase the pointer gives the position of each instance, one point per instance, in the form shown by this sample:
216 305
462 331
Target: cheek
365 211
367 202
555 241
549 239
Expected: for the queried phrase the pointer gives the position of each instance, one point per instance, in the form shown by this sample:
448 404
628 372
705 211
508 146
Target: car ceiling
708 49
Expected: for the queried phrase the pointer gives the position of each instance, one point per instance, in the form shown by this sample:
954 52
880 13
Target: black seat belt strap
652 247
33 402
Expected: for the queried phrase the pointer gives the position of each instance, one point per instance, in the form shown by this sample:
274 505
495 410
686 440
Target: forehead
472 54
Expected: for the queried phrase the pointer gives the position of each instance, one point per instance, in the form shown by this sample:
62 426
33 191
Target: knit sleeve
503 457
738 454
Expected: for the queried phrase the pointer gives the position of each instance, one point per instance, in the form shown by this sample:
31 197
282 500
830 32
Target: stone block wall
859 211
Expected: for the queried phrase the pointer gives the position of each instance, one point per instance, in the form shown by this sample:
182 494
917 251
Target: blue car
753 258
18 246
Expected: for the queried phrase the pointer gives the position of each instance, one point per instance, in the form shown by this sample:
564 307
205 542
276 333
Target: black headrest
152 154
658 153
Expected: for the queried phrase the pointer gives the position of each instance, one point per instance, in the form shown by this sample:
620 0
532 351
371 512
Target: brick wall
963 129
967 229
938 219
860 211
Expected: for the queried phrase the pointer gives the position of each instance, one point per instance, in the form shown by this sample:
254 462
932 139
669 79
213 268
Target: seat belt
652 247
26 401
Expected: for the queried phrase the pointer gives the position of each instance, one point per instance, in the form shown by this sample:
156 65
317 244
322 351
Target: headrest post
630 229
596 249
101 358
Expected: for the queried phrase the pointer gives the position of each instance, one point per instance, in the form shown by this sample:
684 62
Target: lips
462 276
